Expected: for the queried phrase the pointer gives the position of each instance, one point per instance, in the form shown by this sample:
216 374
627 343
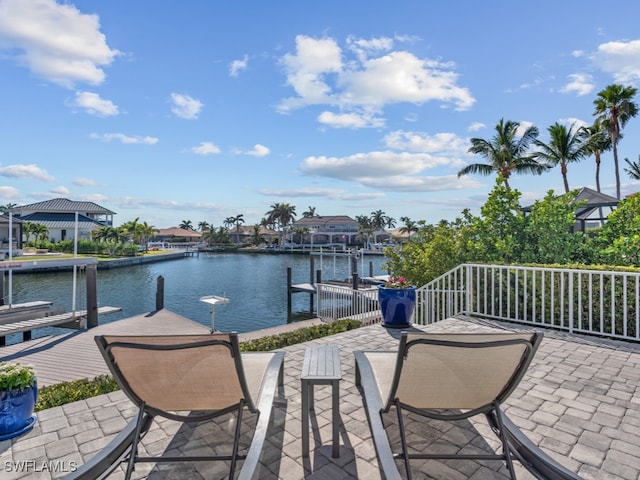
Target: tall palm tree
566 145
237 221
379 220
634 168
282 214
506 152
598 142
202 226
186 225
615 106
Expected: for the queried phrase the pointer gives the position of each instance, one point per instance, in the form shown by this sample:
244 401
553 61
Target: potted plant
397 298
18 395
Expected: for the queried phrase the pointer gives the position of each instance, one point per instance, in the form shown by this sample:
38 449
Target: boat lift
214 300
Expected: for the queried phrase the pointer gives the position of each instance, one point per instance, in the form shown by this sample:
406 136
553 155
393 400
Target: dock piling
160 293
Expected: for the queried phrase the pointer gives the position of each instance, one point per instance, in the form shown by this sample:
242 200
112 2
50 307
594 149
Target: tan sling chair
449 377
190 378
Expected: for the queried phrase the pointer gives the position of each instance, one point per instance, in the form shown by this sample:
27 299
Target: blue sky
201 110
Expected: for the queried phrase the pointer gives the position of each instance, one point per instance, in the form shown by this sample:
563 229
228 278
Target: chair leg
505 445
236 440
134 443
403 440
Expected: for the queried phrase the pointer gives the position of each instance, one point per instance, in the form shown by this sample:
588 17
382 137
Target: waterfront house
594 213
59 216
245 233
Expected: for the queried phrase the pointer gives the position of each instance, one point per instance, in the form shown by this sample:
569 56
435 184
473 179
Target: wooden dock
76 318
73 356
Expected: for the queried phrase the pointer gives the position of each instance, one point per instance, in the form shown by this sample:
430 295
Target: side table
321 366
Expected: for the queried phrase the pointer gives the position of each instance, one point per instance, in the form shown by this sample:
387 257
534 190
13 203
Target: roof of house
177 232
594 200
62 221
5 219
63 205
325 220
248 230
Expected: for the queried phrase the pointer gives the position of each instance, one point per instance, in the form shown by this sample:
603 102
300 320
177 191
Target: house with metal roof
594 213
62 216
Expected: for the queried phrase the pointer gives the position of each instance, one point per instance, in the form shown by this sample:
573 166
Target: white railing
339 301
604 303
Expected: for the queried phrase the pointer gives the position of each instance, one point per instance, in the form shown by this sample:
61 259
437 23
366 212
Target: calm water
254 283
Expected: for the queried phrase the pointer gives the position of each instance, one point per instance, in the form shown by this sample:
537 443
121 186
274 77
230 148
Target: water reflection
254 283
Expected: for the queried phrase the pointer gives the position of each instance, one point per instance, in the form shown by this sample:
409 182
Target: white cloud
621 59
206 148
94 105
55 41
61 190
380 164
320 75
238 65
259 151
580 84
122 138
26 171
84 182
443 143
475 126
366 48
402 183
185 106
9 192
306 71
351 120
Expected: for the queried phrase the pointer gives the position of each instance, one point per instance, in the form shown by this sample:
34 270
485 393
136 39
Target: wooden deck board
75 355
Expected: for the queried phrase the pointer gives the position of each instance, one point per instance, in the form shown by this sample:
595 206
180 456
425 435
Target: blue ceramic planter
397 306
16 411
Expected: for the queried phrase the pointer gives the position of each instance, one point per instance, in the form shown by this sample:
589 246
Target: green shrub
301 335
67 392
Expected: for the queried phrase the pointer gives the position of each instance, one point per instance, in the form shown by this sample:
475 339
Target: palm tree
202 226
186 225
282 214
311 212
256 237
228 222
365 227
566 145
5 209
634 168
506 153
237 221
408 227
614 107
598 141
40 231
28 228
379 220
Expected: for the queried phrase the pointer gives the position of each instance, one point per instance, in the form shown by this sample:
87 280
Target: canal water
255 284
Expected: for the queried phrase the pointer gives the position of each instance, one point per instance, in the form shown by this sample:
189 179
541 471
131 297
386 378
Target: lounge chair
451 377
188 378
